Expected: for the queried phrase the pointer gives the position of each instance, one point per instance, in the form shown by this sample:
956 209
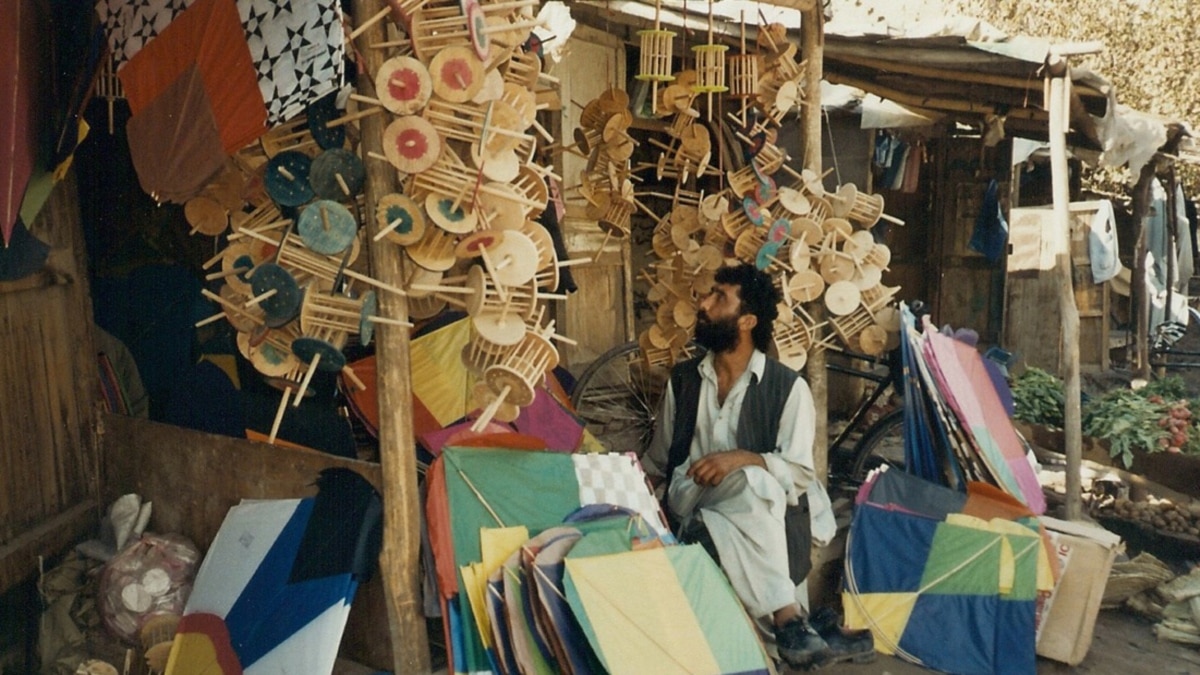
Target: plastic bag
151 577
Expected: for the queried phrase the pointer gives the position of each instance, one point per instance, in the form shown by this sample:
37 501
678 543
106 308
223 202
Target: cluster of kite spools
460 95
816 244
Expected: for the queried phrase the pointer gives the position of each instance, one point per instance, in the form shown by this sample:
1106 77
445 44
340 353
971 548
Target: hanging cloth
991 229
912 168
1102 244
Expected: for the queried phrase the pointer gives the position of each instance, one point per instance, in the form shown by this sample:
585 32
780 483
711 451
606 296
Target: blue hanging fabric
991 229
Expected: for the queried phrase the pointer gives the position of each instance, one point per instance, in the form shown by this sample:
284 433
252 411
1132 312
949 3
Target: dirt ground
1122 645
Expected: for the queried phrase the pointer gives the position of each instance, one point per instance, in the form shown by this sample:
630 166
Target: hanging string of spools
818 245
459 90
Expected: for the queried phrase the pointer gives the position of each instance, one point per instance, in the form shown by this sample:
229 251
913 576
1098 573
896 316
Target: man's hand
711 469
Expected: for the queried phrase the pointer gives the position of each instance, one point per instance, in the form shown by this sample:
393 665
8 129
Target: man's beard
717 336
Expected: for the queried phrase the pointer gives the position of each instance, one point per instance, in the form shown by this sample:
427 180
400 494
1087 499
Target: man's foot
844 645
800 645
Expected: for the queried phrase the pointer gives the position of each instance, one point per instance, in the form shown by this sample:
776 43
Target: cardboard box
1067 617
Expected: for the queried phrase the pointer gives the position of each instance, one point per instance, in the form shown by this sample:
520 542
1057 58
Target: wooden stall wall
969 290
1033 287
193 478
599 315
49 454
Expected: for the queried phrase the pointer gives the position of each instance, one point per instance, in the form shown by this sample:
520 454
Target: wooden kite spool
734 223
849 326
793 340
269 350
290 135
878 295
819 210
710 68
655 356
681 122
411 144
743 75
497 123
328 314
785 67
433 29
515 379
523 367
655 56
501 318
615 220
769 159
743 181
523 69
233 309
748 243
864 209
879 256
662 242
530 184
435 251
264 217
655 60
403 85
479 353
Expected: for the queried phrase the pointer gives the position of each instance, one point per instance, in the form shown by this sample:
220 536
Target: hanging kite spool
655 61
710 71
479 353
515 379
743 75
792 341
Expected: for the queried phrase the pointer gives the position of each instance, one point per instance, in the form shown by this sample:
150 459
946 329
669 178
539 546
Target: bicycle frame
881 384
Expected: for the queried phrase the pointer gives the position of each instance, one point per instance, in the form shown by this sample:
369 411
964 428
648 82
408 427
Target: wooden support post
401 556
812 45
1059 109
1138 299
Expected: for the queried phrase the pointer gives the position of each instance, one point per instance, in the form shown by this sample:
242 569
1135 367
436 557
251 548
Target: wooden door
600 314
968 288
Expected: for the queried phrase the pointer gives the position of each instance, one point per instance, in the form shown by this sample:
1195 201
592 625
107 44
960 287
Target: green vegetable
1129 420
1038 397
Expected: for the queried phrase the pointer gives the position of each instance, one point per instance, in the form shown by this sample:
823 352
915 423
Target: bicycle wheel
618 397
883 443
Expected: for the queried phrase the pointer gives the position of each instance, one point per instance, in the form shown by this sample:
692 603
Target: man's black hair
759 297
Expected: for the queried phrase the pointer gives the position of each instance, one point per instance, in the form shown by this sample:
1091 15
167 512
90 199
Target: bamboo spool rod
287 392
308 375
490 411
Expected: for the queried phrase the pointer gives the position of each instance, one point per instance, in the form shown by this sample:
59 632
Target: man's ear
747 322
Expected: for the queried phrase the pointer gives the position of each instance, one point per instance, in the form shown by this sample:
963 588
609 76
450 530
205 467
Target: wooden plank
48 456
19 556
193 478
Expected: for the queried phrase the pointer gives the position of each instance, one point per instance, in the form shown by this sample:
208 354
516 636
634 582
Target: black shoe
800 645
844 645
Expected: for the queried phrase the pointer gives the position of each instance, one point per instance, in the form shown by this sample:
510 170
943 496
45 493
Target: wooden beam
1059 105
19 556
401 557
941 104
812 49
1033 84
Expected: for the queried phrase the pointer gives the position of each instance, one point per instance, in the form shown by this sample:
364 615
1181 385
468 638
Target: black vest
757 430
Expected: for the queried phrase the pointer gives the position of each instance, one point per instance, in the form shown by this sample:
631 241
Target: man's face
717 321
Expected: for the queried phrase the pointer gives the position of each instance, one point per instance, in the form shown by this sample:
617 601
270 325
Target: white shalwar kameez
744 514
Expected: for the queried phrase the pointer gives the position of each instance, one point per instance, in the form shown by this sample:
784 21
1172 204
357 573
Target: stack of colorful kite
555 563
946 580
956 425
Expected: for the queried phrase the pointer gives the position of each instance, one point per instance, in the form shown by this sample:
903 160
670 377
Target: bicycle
618 395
